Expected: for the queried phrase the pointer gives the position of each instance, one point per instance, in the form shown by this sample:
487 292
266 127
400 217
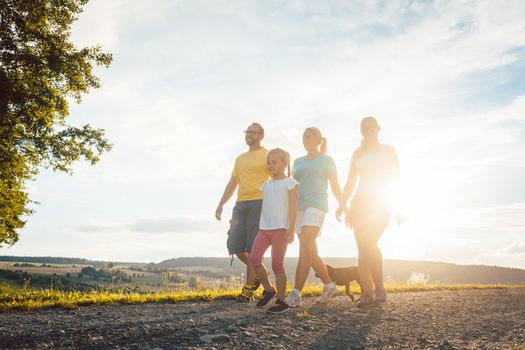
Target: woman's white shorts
309 217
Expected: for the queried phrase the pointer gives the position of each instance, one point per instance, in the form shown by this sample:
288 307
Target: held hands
345 210
338 213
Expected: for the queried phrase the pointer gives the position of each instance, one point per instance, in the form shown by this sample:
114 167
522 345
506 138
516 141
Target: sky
445 79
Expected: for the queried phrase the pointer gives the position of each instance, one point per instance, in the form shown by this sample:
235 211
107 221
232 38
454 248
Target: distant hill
394 270
57 260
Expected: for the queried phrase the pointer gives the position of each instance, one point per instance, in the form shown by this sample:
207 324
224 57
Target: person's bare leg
306 239
244 257
376 258
280 281
252 228
367 284
376 267
364 262
318 265
250 272
263 276
302 270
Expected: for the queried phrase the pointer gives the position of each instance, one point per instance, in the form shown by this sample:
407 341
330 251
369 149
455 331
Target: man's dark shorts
244 226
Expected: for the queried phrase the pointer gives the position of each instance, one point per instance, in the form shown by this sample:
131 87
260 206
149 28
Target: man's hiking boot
278 307
247 291
266 297
246 295
256 283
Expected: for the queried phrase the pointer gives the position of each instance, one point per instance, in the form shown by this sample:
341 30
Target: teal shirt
312 175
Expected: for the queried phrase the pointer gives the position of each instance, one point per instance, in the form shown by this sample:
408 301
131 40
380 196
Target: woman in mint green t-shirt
314 172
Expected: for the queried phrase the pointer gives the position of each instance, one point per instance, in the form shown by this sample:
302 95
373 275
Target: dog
342 276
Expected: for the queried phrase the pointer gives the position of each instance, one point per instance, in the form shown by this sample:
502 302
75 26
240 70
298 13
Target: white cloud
180 224
516 248
99 24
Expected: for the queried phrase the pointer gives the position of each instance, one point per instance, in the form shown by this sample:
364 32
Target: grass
12 298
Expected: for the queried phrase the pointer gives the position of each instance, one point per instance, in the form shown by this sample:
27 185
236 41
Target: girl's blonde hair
285 156
322 140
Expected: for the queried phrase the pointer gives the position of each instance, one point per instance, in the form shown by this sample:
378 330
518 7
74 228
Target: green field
144 279
12 298
32 283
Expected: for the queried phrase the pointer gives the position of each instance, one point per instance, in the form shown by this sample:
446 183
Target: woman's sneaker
293 299
365 301
266 297
278 307
380 295
329 291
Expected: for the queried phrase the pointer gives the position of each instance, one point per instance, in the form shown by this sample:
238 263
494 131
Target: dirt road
467 319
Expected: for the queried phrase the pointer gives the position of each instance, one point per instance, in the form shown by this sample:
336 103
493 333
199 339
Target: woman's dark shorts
244 226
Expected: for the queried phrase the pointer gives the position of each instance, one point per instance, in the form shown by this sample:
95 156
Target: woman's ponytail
319 136
323 145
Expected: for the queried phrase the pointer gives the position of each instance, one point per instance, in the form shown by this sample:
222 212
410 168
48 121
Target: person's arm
334 185
292 212
228 192
331 174
396 188
350 184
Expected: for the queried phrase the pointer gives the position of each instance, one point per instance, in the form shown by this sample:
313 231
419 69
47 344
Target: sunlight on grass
15 299
303 314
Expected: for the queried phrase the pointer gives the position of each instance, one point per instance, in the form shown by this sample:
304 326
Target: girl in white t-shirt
276 227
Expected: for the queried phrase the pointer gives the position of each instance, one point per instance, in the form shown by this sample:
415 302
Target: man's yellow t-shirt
251 172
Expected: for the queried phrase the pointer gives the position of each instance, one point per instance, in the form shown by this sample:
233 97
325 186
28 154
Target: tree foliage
41 71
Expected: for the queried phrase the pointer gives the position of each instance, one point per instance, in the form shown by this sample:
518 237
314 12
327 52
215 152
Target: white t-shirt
274 213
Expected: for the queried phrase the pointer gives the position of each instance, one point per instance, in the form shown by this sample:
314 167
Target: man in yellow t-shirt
249 173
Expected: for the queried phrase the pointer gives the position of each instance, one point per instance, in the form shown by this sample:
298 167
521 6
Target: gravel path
467 319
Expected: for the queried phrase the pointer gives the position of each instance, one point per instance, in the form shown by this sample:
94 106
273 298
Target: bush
90 271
